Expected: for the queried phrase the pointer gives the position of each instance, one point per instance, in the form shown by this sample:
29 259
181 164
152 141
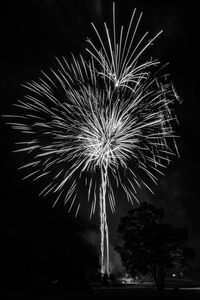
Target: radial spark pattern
105 120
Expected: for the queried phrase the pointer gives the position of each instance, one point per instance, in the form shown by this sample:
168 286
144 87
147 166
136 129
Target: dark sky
32 33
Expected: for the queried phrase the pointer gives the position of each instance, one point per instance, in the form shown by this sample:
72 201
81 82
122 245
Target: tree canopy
149 245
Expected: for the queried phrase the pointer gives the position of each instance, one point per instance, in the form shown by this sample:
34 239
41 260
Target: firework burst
104 120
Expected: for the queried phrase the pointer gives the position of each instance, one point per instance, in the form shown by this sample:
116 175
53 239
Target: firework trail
105 122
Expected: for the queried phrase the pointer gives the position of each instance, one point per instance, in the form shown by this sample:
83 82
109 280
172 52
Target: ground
174 290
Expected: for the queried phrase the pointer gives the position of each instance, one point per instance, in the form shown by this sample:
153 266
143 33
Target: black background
32 33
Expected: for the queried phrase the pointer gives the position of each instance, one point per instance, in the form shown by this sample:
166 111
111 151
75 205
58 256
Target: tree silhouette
151 246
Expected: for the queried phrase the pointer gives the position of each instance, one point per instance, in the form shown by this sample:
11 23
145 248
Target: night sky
32 34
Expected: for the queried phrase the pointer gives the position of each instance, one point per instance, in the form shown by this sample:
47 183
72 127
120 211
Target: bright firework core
101 143
109 115
104 140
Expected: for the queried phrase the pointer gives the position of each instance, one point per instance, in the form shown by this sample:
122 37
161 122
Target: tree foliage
151 246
